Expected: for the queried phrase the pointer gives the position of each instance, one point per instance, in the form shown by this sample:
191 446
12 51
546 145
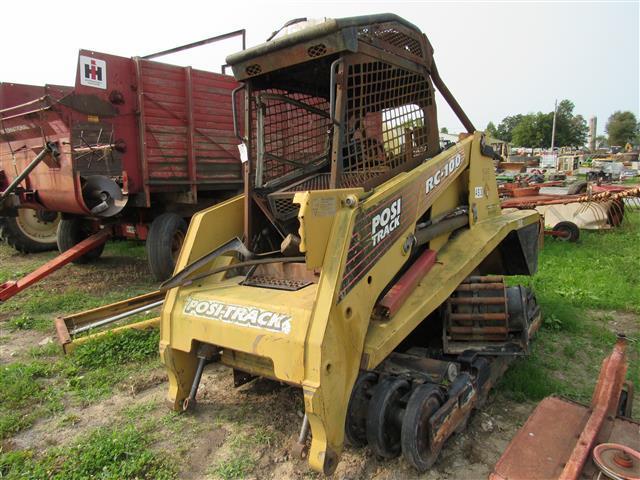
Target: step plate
264 281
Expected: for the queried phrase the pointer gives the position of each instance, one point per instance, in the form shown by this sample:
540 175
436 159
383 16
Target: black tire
383 430
26 239
570 229
425 400
578 187
164 241
625 403
356 424
71 232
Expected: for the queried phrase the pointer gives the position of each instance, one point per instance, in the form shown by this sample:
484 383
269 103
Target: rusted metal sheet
26 117
557 440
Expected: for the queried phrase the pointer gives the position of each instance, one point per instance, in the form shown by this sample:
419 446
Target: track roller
384 416
415 439
356 424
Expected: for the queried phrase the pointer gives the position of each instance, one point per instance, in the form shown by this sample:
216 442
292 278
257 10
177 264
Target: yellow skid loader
363 263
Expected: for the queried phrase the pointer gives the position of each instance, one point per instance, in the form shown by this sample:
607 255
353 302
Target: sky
497 58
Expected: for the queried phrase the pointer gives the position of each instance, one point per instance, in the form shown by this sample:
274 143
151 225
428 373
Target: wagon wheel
164 241
384 417
570 231
30 231
356 423
72 231
416 445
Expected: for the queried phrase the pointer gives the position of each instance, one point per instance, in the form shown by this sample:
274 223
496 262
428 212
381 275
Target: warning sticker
93 72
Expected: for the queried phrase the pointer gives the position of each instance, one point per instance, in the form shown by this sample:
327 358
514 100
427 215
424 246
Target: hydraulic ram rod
427 234
117 317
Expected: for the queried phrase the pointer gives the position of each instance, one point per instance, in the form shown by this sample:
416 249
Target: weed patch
36 389
108 454
237 467
26 394
602 271
117 348
242 458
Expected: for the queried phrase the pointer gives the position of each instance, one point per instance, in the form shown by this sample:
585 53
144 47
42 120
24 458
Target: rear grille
275 283
254 69
317 50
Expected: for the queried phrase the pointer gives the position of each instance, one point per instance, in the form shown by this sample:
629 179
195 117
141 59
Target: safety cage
346 117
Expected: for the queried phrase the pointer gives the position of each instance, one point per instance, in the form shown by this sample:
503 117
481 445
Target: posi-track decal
93 72
375 230
386 221
378 227
243 315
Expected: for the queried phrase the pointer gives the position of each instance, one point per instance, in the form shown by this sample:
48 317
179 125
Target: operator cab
345 103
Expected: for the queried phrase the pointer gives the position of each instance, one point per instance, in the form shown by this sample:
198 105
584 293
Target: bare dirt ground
253 424
206 437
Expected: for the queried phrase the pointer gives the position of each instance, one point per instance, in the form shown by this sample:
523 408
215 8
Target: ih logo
93 72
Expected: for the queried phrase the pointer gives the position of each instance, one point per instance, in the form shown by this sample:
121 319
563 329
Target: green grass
601 271
575 283
120 273
242 459
107 454
236 467
39 307
38 388
26 394
10 270
127 248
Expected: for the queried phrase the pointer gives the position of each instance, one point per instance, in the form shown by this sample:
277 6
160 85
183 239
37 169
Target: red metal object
617 461
604 403
557 233
604 194
133 231
154 129
524 188
11 288
557 440
395 298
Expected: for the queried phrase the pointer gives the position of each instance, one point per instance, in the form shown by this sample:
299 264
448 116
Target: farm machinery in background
28 230
363 263
568 209
131 151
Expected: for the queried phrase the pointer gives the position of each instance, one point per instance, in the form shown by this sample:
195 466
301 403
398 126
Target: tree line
533 130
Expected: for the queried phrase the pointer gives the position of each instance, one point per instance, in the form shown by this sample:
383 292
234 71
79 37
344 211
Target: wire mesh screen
384 119
391 37
292 136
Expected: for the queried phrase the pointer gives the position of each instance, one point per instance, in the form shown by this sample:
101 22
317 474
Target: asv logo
386 222
93 72
447 169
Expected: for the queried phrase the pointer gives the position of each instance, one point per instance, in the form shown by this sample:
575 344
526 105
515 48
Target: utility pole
553 129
